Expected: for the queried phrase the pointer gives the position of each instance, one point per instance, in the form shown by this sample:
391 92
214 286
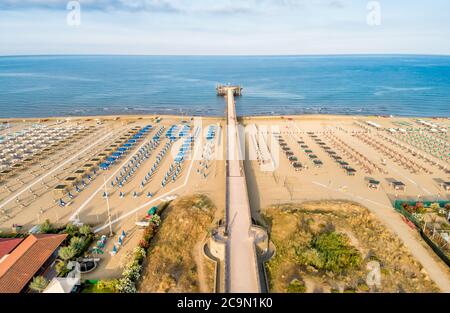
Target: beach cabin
71 181
17 167
102 156
60 191
108 151
6 173
350 171
89 167
373 184
446 186
297 166
95 161
38 156
80 174
48 151
28 160
289 153
318 163
398 185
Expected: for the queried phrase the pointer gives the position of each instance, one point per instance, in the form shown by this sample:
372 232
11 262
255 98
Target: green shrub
139 254
60 267
46 227
331 252
296 286
85 230
311 257
71 230
67 253
126 285
107 285
77 243
39 283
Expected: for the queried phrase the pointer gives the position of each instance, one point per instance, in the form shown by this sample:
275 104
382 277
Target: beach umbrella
97 250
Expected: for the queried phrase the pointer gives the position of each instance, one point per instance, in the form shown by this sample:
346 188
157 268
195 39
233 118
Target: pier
222 90
241 262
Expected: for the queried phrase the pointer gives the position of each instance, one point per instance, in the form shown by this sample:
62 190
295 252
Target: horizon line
223 55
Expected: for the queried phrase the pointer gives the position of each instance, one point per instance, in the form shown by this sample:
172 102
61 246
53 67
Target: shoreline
117 117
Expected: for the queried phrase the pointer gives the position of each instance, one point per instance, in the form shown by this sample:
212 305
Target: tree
77 243
67 253
71 229
46 227
60 267
39 284
85 230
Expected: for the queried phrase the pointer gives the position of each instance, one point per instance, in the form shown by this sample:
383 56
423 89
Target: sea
399 85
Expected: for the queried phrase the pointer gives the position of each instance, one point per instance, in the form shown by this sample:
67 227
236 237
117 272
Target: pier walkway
241 261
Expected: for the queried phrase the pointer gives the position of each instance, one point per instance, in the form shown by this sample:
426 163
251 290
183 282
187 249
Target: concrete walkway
241 260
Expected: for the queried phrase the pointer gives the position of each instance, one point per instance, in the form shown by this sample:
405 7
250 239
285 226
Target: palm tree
77 243
39 284
85 230
66 253
71 229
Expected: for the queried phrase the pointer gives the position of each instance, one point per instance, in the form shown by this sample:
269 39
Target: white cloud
186 6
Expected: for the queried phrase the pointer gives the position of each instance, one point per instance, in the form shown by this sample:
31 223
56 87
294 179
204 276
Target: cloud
101 5
179 6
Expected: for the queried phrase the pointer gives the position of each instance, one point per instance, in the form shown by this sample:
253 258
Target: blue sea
103 85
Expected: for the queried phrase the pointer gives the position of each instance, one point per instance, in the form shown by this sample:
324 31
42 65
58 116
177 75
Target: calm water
82 85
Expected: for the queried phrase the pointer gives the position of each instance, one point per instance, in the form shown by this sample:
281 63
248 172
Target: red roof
7 245
22 264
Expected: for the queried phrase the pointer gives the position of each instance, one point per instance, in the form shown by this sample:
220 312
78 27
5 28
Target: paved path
241 261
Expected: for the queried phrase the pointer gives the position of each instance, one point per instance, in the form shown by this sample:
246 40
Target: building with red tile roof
7 245
31 257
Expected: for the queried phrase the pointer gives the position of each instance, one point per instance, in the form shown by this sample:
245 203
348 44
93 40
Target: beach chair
61 203
113 252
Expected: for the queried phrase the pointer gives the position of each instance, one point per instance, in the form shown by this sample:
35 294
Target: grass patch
171 266
330 251
328 245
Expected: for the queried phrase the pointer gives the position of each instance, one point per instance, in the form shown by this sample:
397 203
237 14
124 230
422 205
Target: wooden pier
222 90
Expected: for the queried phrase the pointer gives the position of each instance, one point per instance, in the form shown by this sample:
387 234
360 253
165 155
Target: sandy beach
365 159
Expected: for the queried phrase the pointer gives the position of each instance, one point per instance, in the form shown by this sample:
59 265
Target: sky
225 27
